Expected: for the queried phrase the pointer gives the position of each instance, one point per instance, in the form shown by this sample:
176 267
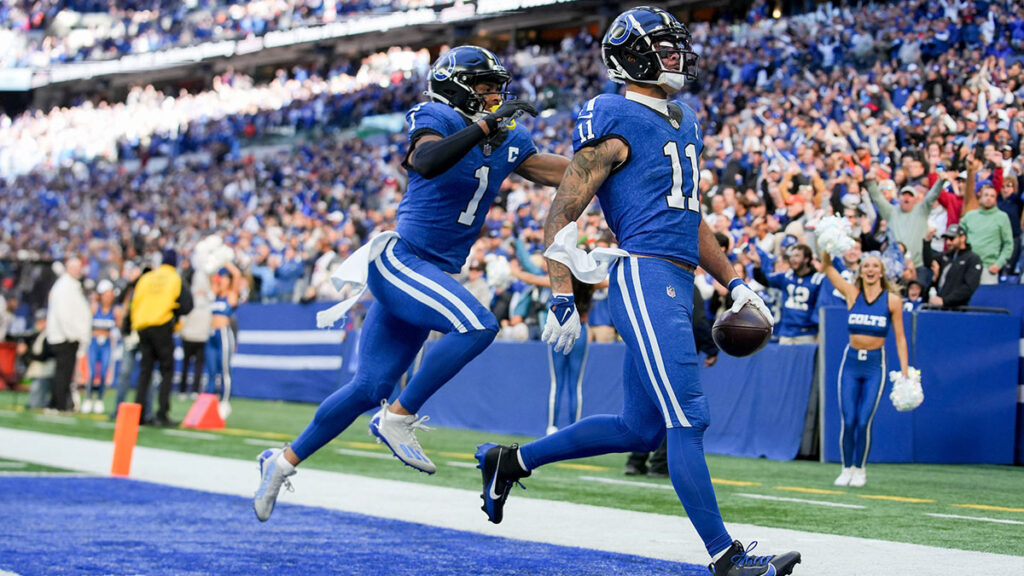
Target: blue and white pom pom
906 392
834 235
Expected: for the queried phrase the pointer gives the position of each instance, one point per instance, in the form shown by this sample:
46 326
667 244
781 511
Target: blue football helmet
648 45
454 74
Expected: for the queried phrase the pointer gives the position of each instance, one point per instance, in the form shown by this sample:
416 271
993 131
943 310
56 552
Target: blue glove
563 324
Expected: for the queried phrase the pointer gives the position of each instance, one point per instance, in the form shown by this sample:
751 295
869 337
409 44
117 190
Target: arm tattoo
587 171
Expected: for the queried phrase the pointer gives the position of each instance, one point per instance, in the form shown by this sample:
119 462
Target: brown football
741 333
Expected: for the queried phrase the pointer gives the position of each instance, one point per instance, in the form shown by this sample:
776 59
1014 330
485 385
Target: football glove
562 327
508 111
743 295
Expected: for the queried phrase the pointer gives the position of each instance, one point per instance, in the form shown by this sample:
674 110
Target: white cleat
845 477
86 406
398 432
224 409
859 477
272 476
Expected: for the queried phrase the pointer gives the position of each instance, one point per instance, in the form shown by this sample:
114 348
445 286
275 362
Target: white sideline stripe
662 536
8 413
56 419
978 518
290 337
286 362
44 475
627 483
104 424
191 434
261 442
457 464
365 454
802 501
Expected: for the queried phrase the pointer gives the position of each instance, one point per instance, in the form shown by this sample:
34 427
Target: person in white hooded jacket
68 330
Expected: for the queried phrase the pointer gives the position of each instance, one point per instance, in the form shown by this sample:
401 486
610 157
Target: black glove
508 110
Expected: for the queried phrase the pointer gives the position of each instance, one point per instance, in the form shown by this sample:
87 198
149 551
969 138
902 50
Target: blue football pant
413 297
652 303
98 354
861 383
217 358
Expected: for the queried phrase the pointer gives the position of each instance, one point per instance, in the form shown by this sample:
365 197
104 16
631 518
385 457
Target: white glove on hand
563 324
742 295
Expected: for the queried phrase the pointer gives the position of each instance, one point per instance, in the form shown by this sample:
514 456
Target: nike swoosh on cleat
497 467
770 571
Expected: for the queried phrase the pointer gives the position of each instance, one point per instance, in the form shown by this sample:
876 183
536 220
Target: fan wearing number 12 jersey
463 144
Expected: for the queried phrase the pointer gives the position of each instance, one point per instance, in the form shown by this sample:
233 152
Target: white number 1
676 199
467 216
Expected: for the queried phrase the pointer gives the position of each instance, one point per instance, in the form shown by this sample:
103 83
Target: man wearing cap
68 326
989 232
159 298
909 223
958 270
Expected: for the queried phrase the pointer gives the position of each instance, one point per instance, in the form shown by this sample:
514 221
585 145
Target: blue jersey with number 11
650 202
441 217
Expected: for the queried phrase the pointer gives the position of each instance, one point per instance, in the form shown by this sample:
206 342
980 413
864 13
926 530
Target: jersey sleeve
431 117
596 122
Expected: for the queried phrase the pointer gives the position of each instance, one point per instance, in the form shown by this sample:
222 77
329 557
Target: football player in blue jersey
463 143
638 153
873 306
800 286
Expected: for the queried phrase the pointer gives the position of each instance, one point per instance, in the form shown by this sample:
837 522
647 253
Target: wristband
736 282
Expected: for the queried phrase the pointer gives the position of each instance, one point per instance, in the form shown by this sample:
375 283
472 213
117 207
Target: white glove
743 295
562 327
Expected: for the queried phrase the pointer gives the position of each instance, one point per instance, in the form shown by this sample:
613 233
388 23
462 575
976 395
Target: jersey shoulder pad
434 116
597 120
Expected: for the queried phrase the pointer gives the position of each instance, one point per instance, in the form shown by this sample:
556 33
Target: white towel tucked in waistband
350 279
591 267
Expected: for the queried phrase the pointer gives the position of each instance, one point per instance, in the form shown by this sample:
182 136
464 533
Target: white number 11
676 199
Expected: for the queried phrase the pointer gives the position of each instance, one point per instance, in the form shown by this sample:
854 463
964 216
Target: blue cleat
737 561
499 466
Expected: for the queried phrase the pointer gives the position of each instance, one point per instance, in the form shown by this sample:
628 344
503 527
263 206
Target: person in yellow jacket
159 299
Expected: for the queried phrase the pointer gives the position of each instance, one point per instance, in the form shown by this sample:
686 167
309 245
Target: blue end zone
115 526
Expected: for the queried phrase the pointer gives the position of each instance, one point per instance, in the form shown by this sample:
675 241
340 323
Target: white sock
286 466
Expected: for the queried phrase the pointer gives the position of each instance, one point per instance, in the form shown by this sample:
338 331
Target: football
741 333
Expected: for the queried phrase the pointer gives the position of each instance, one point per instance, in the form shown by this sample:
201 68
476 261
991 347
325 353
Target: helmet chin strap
671 82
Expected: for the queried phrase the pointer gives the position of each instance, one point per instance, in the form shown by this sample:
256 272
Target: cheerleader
873 306
226 286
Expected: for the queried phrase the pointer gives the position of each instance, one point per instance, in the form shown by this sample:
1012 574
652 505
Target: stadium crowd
902 117
42 33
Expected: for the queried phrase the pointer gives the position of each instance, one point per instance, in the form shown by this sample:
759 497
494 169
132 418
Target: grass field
981 508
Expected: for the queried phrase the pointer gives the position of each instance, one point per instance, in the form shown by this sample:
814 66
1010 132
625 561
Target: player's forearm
712 258
435 157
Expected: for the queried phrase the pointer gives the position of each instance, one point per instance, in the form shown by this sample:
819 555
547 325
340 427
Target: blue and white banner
280 348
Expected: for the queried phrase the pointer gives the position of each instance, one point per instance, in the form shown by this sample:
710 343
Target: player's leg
101 387
652 306
387 346
227 348
422 295
873 378
847 393
211 362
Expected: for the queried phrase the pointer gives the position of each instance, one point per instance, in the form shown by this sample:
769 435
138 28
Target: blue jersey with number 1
440 217
650 202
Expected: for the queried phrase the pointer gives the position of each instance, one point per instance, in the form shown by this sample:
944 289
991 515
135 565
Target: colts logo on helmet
621 33
443 72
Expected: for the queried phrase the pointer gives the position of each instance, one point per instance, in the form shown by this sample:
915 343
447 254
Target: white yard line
668 537
801 501
632 483
977 518
365 454
191 434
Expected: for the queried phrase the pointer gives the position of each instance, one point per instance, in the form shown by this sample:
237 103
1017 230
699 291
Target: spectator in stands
957 271
800 286
873 307
908 223
1011 202
160 296
68 329
129 340
915 296
989 233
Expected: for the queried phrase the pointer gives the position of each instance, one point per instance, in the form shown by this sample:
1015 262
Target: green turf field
894 506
